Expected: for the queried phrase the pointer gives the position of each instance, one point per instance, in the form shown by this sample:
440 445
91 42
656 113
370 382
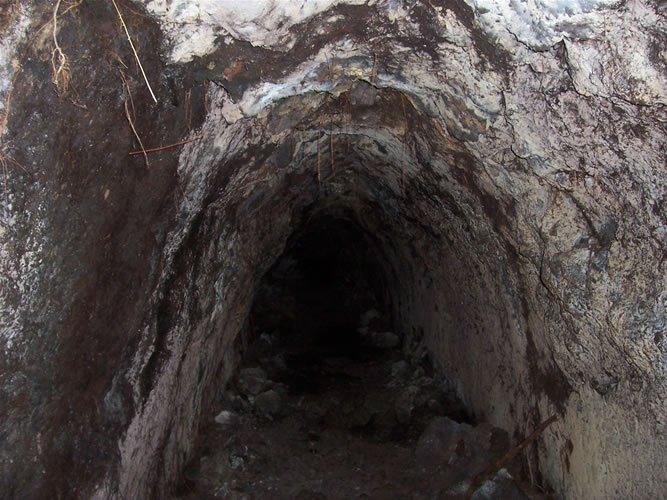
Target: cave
184 182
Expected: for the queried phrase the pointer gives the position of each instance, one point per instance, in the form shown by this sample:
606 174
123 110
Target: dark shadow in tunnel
316 293
324 299
326 302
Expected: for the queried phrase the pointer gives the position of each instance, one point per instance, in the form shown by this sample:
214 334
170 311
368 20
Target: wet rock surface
334 424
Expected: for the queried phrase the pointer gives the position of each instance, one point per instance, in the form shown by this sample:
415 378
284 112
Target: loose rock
399 369
252 380
269 403
226 417
439 441
405 403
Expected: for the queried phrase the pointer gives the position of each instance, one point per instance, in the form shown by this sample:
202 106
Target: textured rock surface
504 162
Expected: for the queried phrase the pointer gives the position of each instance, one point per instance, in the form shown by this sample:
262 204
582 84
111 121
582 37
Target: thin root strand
127 33
128 97
162 148
60 75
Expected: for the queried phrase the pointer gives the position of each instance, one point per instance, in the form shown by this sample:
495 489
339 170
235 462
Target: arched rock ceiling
509 156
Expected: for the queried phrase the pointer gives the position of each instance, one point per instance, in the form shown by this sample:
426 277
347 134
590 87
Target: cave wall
507 157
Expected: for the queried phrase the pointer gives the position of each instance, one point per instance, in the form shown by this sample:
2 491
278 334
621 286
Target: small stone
226 417
501 487
480 441
438 442
269 403
237 462
399 369
405 404
252 380
367 317
423 382
267 339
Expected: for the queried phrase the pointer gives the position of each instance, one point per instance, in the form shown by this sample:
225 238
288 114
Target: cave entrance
326 402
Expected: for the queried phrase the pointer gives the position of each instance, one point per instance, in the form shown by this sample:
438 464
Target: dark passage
314 296
326 404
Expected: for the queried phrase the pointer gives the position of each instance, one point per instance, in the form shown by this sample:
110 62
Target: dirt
340 420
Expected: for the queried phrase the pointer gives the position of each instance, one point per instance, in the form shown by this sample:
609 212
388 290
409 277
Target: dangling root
128 97
127 33
60 75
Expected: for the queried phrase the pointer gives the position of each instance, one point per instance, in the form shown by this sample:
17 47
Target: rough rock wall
509 156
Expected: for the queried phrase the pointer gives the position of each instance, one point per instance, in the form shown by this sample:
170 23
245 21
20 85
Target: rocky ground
342 420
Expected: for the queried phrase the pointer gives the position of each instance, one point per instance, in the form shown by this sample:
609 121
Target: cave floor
341 421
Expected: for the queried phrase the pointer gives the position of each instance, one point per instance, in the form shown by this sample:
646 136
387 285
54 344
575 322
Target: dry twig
188 109
161 148
128 97
127 33
5 175
71 6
